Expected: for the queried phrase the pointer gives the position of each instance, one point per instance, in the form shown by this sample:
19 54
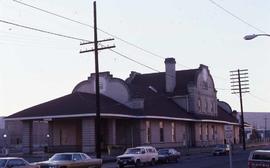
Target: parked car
138 156
168 154
221 149
71 160
259 159
14 162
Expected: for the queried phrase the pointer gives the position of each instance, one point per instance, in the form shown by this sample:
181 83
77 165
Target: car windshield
220 146
3 162
133 151
261 156
163 151
61 157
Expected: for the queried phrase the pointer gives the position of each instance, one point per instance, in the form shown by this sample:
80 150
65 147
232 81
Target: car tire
153 162
121 166
137 163
177 159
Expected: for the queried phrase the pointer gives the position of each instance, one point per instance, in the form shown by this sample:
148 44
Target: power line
103 31
259 98
110 34
122 55
74 38
85 24
43 31
235 16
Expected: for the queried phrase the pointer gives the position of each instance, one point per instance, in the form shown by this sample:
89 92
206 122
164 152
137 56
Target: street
203 161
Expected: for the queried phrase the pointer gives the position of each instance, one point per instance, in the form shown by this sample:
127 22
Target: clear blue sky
37 67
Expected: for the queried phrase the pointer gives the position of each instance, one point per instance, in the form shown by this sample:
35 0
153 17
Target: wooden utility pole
96 49
240 85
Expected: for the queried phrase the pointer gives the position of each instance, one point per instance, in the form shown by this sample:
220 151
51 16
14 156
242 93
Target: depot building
166 109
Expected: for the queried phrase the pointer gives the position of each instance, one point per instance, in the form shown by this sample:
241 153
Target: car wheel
177 159
138 163
153 162
120 166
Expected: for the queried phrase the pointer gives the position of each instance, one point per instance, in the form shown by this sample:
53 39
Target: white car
138 156
259 159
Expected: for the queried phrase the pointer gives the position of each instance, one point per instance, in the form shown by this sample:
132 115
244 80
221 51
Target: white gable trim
119 115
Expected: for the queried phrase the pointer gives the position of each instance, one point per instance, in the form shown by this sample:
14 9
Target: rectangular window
213 132
148 132
173 132
161 132
201 132
207 132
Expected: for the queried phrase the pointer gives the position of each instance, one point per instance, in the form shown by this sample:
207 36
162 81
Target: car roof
166 148
261 151
144 147
69 153
10 158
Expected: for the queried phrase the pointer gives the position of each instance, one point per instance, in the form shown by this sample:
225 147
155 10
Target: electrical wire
235 16
74 38
258 98
103 31
42 31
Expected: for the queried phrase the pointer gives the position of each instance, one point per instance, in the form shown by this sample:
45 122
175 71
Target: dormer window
206 106
205 85
199 104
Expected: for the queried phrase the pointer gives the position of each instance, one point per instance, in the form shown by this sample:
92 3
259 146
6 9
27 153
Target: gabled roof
160 105
140 83
80 104
83 104
222 116
75 104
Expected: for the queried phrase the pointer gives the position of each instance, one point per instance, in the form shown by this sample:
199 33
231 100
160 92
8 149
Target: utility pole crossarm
103 48
95 50
239 86
91 42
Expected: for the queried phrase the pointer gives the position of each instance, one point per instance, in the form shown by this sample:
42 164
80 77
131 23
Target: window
213 132
200 129
161 132
15 163
212 107
207 132
77 157
148 132
206 106
83 157
199 104
173 132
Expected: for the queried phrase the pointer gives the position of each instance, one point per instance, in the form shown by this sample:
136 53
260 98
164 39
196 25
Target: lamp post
5 145
252 36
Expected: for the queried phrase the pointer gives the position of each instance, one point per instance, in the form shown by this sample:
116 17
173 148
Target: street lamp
5 152
252 36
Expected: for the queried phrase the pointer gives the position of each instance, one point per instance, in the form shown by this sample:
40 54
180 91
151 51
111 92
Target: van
259 159
138 156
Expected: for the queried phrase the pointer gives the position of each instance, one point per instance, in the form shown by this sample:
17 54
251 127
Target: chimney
170 74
